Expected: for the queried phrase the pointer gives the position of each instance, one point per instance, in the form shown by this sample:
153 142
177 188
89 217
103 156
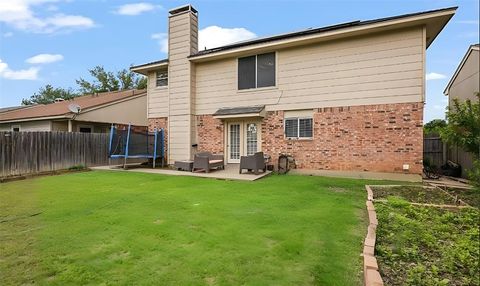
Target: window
85 129
256 71
298 127
162 77
16 128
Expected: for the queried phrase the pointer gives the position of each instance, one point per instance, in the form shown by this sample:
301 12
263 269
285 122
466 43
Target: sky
56 41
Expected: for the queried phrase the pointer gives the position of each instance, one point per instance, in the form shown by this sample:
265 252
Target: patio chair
253 163
207 161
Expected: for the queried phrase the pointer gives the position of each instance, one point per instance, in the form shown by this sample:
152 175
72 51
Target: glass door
252 138
234 142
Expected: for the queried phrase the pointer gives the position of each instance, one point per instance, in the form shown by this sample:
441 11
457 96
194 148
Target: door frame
243 137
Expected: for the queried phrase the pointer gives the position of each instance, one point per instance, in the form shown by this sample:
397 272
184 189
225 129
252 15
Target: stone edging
370 266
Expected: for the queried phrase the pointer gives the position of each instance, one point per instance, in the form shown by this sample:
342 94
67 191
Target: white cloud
26 74
214 36
44 59
134 9
20 15
211 37
162 39
434 76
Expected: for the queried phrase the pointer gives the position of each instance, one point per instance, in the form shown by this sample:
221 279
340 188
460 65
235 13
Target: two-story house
344 97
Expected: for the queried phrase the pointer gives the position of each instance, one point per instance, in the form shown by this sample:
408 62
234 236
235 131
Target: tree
434 126
463 130
48 94
108 81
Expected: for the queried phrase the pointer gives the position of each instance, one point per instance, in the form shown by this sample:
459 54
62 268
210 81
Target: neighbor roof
60 109
457 71
10 108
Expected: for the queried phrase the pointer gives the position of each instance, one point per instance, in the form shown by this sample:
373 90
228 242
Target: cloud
435 76
26 74
20 15
211 37
162 39
470 22
134 9
44 59
214 36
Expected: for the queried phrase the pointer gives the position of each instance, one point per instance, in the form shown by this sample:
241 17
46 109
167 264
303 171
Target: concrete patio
230 172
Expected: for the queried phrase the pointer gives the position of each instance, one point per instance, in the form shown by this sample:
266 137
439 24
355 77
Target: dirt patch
471 197
415 194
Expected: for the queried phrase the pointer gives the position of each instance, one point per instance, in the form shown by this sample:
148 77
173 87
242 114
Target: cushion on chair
215 161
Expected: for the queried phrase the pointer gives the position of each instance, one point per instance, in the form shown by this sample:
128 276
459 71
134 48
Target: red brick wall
365 138
160 122
210 134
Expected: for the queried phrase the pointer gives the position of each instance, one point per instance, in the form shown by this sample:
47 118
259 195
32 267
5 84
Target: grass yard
131 228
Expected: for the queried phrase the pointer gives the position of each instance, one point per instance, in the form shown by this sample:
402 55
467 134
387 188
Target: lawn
132 228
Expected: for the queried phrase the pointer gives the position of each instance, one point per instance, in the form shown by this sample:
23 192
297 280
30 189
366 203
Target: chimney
182 42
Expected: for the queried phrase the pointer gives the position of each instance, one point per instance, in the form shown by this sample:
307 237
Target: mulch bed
415 194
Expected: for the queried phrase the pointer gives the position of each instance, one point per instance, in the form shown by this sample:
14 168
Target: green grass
130 228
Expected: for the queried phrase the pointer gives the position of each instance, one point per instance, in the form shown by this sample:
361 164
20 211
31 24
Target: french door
243 138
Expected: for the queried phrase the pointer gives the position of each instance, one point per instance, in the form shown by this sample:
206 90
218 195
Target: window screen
162 77
246 72
266 70
305 127
291 127
299 127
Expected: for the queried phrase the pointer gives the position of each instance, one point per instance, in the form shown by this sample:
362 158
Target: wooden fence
23 153
433 150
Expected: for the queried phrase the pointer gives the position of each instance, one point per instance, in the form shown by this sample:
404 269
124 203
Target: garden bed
421 245
415 194
471 197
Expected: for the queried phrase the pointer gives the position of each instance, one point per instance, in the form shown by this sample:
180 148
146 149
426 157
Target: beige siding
41 125
183 40
380 68
132 111
157 98
467 81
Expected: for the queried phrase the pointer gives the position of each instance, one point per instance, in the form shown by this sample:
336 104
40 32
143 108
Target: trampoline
136 142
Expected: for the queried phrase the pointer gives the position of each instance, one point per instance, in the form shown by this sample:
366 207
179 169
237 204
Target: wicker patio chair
253 163
207 161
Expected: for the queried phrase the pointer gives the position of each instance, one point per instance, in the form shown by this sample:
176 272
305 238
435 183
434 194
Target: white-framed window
161 77
16 128
298 127
256 71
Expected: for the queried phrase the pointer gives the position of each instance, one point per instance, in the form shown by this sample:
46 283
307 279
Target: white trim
298 128
37 118
145 69
459 68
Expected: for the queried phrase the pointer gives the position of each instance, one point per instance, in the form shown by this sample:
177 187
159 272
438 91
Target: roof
315 31
225 112
10 108
460 66
60 109
433 29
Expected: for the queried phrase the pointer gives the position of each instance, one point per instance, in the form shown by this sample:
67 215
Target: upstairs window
256 71
161 77
299 128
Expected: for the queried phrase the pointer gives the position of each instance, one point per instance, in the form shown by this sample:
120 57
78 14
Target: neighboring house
344 97
96 113
463 85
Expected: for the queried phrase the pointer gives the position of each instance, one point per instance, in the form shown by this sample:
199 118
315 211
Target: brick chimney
182 42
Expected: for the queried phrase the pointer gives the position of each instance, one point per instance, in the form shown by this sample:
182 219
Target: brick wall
210 134
365 138
160 122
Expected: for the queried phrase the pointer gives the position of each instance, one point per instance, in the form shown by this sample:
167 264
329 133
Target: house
347 97
463 85
88 113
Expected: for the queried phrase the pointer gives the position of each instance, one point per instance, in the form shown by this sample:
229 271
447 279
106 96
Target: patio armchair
254 162
207 161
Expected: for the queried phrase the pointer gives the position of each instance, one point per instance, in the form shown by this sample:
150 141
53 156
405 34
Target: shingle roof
239 110
61 108
10 108
312 31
